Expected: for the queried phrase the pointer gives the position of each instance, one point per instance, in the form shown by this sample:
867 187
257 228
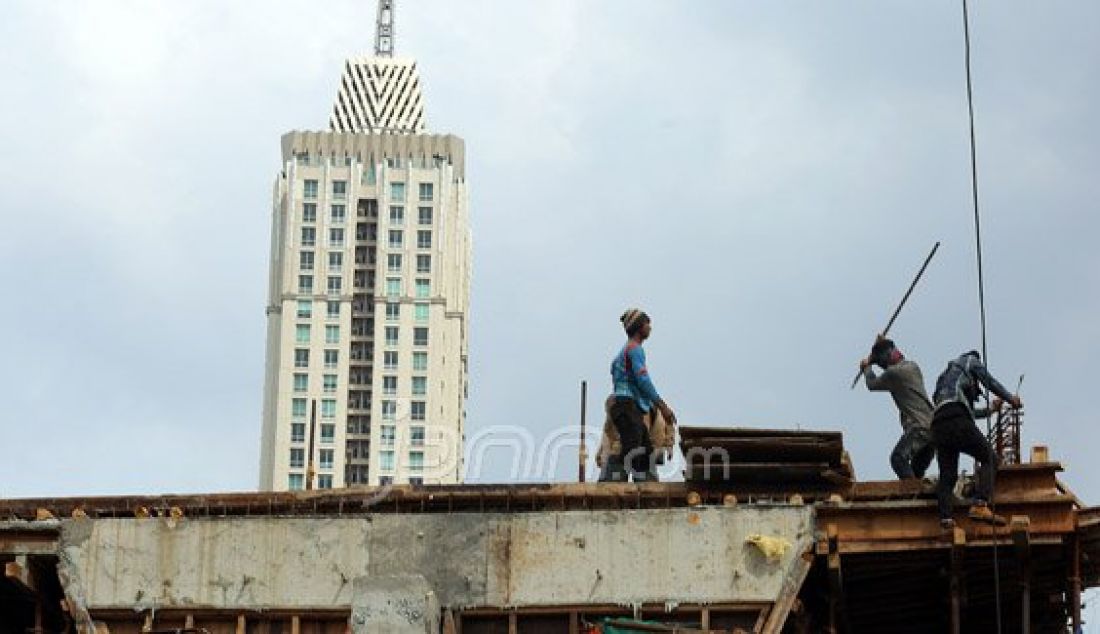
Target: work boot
981 513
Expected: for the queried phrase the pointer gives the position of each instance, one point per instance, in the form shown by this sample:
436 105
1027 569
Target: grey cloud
763 179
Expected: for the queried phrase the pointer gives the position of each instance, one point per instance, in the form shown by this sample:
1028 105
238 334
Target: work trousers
957 433
636 449
913 453
613 470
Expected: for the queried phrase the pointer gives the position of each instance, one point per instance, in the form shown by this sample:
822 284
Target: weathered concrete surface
394 605
145 563
405 561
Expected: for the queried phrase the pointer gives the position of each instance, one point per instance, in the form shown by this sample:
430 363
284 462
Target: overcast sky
762 178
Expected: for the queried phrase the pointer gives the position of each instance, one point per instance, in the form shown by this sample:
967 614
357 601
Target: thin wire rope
981 288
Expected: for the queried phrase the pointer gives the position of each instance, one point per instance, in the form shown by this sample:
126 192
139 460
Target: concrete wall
523 559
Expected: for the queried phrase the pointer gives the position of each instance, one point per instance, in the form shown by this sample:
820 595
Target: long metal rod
904 299
583 456
310 467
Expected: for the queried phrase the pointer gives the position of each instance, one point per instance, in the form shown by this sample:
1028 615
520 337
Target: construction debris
771 547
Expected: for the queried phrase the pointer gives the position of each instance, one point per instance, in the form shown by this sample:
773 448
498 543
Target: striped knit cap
632 319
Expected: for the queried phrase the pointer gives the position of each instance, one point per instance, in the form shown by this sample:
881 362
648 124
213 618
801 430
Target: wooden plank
761 620
872 490
688 432
758 472
766 449
761 441
778 443
791 586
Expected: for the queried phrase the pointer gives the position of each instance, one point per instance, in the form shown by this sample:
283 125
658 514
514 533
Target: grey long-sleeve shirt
905 383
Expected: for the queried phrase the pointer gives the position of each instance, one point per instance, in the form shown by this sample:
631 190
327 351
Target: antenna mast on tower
383 36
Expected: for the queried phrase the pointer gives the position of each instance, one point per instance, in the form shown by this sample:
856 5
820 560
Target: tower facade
379 95
368 294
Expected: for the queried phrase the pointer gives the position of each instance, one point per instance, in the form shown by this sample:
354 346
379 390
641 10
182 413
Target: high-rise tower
366 370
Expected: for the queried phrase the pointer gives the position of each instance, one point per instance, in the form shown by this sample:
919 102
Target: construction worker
955 431
609 457
635 395
903 379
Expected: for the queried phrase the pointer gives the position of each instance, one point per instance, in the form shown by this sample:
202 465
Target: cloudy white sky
763 178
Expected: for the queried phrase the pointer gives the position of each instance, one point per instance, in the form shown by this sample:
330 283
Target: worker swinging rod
904 299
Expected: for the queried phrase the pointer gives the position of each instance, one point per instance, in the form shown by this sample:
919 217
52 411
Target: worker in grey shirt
903 379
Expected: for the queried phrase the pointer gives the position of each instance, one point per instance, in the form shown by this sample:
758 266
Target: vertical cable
974 181
981 285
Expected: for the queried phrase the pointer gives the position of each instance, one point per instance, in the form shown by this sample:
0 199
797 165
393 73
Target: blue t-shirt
630 378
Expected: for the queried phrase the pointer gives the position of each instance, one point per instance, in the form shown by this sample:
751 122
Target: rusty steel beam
891 524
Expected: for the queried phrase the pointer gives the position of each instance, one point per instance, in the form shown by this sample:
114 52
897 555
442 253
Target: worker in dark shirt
903 379
634 395
955 431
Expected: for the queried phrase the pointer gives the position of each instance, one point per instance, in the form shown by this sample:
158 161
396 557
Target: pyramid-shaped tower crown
379 94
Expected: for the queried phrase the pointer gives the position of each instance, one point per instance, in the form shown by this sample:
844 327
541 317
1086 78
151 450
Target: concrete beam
686 556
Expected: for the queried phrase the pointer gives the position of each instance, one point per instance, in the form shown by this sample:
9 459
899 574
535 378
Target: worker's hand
1016 402
863 363
879 338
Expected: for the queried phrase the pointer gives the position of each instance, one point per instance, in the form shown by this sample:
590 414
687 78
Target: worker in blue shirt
635 395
